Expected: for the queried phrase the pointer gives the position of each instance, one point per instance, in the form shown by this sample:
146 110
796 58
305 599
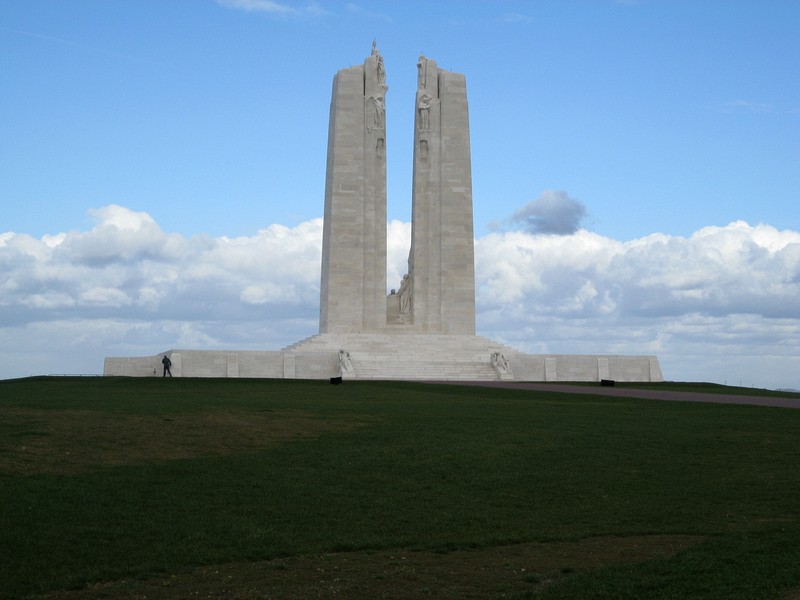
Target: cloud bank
720 305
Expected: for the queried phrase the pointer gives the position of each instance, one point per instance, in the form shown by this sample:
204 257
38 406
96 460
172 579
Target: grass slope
107 478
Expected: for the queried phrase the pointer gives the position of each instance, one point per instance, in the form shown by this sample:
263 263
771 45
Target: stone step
409 356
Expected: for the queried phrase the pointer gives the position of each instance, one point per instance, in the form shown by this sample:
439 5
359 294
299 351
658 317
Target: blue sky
633 125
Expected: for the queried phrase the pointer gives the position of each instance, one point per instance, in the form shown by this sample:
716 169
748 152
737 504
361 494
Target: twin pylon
438 293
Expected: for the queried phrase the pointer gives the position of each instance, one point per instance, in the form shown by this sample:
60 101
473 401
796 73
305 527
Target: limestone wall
405 356
145 366
583 367
201 363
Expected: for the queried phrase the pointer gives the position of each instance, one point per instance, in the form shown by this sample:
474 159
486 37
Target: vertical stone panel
288 366
177 364
603 371
232 366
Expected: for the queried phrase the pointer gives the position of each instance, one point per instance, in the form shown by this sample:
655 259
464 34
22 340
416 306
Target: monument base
397 356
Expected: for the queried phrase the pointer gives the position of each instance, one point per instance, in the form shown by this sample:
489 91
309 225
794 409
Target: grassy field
700 388
115 487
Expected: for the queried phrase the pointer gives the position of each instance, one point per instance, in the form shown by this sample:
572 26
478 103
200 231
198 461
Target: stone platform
393 356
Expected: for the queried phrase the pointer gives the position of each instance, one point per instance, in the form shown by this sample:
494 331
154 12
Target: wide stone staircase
407 356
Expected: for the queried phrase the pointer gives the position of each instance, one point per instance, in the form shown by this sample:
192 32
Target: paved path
634 393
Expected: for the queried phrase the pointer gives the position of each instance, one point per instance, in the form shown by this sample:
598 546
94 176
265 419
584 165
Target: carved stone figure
379 66
424 106
381 71
405 295
422 68
423 149
345 362
377 113
500 364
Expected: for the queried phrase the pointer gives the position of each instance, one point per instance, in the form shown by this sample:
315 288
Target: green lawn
106 478
694 387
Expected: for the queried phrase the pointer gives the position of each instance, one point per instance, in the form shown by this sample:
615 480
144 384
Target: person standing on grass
167 364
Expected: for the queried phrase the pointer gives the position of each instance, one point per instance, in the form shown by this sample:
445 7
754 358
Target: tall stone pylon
353 281
441 261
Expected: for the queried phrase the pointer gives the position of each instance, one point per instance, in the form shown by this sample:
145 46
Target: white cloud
127 261
311 9
516 18
104 296
717 271
267 6
722 304
398 243
746 106
121 218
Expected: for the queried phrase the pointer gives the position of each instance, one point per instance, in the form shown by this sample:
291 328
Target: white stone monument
353 282
441 262
426 330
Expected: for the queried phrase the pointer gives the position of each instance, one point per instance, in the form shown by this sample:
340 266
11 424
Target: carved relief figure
405 295
424 106
380 68
500 363
423 149
345 362
377 112
381 71
422 71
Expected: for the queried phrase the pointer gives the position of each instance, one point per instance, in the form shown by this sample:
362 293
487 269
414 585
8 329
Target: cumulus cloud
127 267
718 304
553 212
737 269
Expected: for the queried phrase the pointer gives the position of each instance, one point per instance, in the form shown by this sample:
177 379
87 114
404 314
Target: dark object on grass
336 380
607 382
